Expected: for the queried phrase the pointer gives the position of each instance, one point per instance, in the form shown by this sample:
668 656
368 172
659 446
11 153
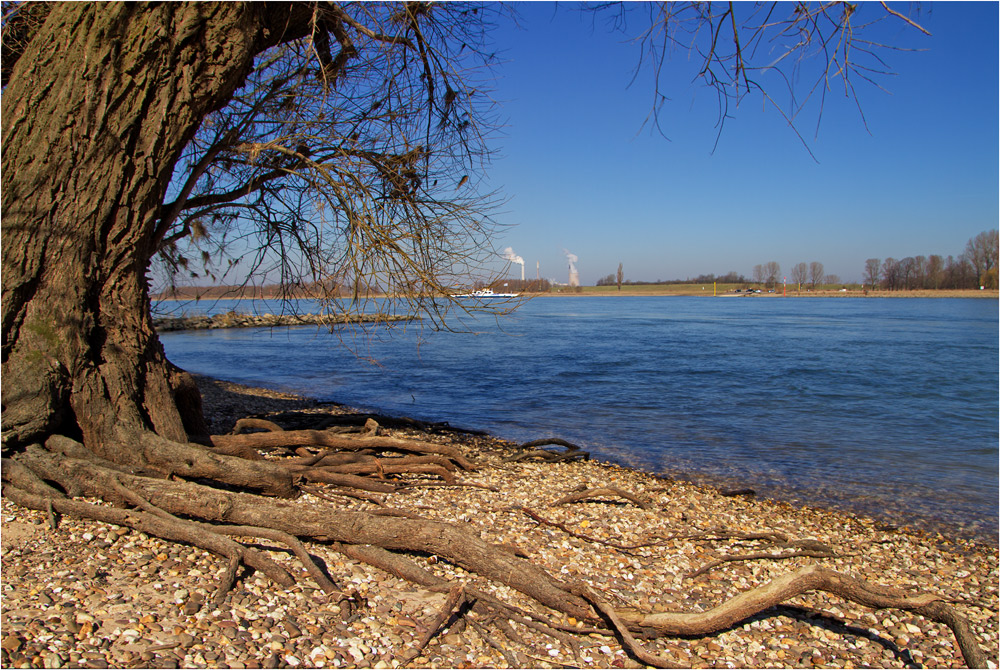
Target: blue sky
582 173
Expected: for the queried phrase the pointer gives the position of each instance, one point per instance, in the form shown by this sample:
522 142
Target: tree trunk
98 109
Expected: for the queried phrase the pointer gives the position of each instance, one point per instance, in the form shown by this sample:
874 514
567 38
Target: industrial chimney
509 254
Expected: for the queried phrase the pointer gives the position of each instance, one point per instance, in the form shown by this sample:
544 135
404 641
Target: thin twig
512 660
602 491
436 485
581 536
760 556
326 495
908 20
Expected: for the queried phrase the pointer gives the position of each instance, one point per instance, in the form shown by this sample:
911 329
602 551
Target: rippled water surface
883 406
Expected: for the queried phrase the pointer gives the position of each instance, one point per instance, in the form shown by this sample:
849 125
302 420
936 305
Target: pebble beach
87 594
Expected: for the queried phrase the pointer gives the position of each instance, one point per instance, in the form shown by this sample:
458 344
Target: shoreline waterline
749 488
644 292
829 402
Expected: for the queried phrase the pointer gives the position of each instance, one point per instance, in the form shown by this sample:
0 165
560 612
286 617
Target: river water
883 406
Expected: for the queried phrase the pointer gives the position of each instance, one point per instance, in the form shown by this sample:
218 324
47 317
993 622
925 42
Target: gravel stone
69 603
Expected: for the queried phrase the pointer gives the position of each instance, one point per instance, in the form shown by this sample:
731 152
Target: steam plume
574 276
509 255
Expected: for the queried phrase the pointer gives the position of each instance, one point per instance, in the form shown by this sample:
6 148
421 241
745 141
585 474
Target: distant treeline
730 278
518 286
975 267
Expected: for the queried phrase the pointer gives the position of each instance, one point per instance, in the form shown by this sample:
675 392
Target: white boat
486 294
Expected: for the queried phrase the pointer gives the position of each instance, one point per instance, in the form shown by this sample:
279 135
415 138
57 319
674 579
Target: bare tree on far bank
873 271
976 267
982 252
771 272
815 273
800 274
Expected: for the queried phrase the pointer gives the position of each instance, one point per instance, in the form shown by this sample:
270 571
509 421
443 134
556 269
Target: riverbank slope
87 594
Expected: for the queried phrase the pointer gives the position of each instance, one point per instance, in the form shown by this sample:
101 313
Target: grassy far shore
721 290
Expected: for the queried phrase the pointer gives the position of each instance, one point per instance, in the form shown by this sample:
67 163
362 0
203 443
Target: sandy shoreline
706 292
92 595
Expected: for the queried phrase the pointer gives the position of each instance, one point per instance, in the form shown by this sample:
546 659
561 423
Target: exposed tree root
326 495
621 629
549 456
51 516
157 525
512 657
314 438
549 440
292 543
227 582
168 502
455 598
356 422
583 493
572 453
811 578
250 423
425 485
345 480
733 493
581 536
758 556
772 538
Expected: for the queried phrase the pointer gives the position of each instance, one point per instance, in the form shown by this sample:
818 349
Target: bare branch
907 19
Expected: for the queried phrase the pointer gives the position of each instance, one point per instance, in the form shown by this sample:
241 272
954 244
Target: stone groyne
237 320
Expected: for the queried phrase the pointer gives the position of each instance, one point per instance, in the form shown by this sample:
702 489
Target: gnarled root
316 438
811 578
158 503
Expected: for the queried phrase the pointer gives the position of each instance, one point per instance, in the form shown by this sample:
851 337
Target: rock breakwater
238 320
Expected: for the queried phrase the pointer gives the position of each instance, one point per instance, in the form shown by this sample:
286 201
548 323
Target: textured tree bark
96 113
